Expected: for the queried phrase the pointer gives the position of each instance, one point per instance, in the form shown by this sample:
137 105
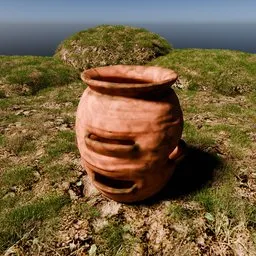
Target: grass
110 45
56 171
20 143
112 240
178 212
236 135
64 142
20 175
40 165
224 71
195 137
23 219
29 74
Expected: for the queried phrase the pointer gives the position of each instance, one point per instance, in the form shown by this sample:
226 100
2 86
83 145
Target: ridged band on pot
128 127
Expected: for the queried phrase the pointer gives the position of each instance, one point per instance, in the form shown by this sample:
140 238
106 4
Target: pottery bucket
128 127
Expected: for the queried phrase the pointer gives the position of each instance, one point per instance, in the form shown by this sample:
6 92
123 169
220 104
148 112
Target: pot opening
113 183
128 80
125 80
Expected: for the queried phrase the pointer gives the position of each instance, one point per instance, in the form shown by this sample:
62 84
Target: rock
110 208
79 183
40 152
18 124
93 250
37 175
72 195
27 113
65 185
72 246
10 194
89 188
200 241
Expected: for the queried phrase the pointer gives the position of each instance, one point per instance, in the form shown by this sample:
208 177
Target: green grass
112 238
39 156
20 143
221 197
23 219
224 71
87 211
64 142
111 44
59 171
20 175
197 137
236 135
178 212
29 74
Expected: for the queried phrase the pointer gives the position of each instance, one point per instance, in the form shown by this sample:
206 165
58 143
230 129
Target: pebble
72 194
79 183
93 250
8 195
18 124
65 185
200 240
72 246
37 175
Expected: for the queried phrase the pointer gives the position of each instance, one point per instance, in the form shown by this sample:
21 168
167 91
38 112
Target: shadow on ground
196 170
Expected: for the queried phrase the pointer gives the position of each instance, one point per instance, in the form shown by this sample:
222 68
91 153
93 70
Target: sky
127 11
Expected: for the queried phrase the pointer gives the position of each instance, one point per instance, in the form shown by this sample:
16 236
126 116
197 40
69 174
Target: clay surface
128 126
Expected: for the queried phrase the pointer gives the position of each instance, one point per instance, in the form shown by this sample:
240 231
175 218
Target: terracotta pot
128 127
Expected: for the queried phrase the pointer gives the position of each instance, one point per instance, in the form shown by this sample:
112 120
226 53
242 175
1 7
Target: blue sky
118 11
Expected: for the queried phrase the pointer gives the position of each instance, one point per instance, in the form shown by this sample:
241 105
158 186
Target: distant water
43 39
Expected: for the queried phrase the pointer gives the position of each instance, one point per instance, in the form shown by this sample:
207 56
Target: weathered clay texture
128 126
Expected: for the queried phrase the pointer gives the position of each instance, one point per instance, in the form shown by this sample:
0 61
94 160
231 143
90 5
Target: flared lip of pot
141 78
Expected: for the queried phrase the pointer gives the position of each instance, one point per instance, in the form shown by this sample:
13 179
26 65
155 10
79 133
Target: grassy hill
47 206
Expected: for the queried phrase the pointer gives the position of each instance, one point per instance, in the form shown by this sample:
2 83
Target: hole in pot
113 183
125 80
111 141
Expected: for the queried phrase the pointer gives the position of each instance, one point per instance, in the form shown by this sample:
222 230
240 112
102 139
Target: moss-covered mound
109 45
224 71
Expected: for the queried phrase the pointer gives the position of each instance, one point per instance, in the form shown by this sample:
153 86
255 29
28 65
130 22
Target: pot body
128 136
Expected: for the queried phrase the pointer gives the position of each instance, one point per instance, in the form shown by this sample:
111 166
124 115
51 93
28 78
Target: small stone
72 246
178 228
18 112
72 194
63 127
65 185
18 124
253 175
79 183
39 152
26 113
13 188
10 194
200 240
35 241
93 250
76 226
15 107
37 175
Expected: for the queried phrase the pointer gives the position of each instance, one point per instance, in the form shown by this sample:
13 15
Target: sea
43 39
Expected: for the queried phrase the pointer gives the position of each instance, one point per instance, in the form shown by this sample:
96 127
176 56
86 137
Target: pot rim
140 77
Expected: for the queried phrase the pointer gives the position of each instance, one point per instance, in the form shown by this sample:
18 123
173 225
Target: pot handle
108 148
178 153
111 190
